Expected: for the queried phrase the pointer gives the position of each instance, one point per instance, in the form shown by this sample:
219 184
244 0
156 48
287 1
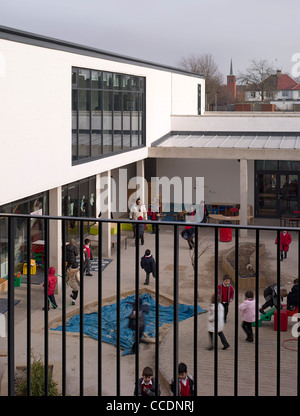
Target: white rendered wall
35 108
216 121
221 177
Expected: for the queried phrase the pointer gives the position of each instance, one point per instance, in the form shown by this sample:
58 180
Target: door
288 194
267 194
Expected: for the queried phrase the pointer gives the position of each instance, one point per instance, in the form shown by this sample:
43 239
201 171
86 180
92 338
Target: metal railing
11 224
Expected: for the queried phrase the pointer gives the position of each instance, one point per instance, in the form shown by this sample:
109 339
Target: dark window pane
107 80
96 79
126 82
107 122
117 81
84 78
74 77
135 120
117 121
126 119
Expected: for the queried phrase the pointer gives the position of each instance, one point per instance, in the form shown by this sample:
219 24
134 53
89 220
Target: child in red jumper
285 241
185 382
226 292
52 281
87 257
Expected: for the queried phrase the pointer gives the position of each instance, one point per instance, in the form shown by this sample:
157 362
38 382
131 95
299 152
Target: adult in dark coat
293 296
71 253
271 297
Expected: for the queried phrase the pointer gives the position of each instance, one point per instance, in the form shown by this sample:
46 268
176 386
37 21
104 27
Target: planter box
3 285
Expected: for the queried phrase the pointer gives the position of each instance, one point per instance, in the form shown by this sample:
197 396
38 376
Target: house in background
282 91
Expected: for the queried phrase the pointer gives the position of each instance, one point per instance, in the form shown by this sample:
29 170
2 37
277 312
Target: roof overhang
228 145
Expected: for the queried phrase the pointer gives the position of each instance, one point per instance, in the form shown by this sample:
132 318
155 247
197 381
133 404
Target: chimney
278 72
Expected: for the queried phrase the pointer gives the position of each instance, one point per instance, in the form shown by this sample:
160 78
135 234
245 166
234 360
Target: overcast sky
165 31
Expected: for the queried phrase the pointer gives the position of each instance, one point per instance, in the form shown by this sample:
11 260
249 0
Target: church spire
231 71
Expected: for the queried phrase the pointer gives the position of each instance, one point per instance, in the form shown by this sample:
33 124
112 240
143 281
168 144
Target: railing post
81 312
137 294
216 312
64 346
28 244
11 317
46 303
196 249
118 292
175 324
257 315
157 309
100 308
236 322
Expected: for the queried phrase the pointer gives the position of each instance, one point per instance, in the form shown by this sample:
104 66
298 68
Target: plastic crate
32 268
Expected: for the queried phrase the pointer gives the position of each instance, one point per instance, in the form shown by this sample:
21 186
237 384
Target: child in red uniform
147 384
52 281
185 382
226 292
87 257
285 241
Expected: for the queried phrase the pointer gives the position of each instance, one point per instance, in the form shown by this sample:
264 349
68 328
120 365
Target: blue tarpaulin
127 337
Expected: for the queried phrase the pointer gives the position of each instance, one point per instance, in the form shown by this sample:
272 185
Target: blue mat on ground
109 324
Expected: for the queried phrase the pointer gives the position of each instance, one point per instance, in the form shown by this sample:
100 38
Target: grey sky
164 31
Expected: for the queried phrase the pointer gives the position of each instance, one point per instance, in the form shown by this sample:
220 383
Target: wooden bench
114 240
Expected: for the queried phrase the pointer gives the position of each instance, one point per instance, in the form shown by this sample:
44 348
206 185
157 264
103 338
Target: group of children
147 383
72 274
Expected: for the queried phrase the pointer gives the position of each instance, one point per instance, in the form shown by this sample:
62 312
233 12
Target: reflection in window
107 113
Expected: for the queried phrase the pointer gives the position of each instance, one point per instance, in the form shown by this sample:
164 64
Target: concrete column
140 172
243 195
103 205
55 235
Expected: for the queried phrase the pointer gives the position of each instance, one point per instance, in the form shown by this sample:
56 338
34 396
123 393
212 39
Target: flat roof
29 38
231 140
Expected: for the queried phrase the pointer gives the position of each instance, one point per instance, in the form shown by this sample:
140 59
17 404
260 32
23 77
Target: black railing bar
257 272
196 252
137 305
216 312
64 346
236 315
100 309
11 318
157 336
118 293
81 310
278 306
28 248
298 330
46 304
106 220
175 306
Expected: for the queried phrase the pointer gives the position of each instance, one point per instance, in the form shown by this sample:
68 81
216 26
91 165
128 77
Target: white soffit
223 140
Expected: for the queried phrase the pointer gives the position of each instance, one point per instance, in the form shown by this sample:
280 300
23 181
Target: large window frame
108 113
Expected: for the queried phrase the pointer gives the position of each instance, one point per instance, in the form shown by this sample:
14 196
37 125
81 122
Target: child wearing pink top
247 309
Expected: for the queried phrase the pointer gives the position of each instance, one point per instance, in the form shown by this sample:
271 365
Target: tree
259 76
205 65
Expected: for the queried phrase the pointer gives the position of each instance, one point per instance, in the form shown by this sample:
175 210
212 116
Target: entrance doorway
277 193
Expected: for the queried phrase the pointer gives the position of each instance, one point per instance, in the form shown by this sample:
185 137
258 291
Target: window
108 113
252 94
